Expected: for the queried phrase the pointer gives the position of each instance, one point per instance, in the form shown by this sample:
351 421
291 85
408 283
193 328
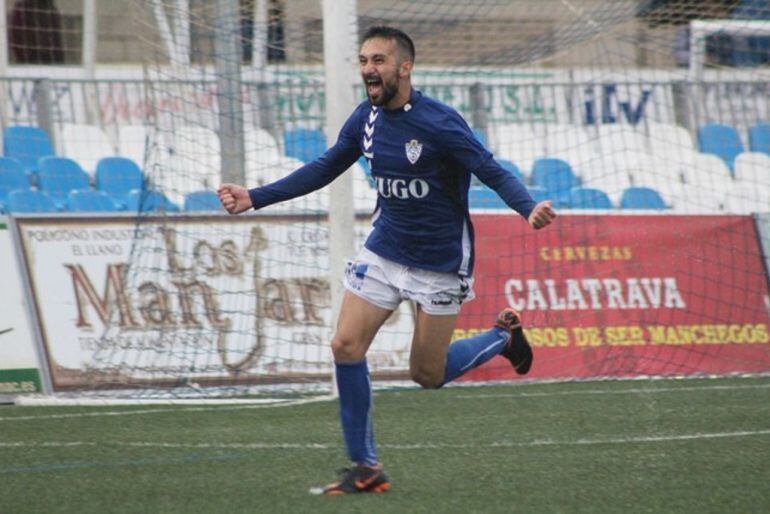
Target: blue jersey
421 156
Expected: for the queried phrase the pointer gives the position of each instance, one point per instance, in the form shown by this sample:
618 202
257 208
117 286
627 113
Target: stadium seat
603 173
585 198
617 138
753 167
509 166
144 200
641 198
746 198
135 143
90 201
202 201
28 201
185 160
665 138
60 175
720 140
261 147
554 175
482 197
27 145
571 143
706 170
12 178
304 144
518 142
759 138
118 176
84 144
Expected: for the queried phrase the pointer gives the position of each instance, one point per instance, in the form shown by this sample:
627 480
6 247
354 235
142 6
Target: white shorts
385 284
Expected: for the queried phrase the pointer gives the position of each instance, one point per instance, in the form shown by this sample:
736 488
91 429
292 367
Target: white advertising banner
18 359
582 96
213 300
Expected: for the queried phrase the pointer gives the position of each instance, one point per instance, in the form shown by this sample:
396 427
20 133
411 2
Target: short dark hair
403 41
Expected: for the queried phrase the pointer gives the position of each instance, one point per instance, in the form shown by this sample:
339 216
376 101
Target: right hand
235 199
542 215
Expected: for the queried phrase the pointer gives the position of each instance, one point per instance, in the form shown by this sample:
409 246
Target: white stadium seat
85 144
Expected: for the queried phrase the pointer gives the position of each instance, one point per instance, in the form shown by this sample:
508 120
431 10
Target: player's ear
405 69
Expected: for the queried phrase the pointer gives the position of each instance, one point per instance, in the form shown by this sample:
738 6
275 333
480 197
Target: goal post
700 30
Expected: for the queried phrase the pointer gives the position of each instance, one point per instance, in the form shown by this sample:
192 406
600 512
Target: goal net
645 122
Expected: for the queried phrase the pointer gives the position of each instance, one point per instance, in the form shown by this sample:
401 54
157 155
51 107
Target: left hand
542 215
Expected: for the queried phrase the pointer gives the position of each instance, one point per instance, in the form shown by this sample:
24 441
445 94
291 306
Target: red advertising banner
625 295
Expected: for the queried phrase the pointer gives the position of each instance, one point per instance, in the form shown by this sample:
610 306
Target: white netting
622 108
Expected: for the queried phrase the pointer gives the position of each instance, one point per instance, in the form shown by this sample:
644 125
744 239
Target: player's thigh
432 335
357 325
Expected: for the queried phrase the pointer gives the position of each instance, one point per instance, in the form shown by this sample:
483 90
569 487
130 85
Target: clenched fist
235 199
542 215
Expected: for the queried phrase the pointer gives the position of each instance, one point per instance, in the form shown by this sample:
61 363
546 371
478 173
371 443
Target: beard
383 94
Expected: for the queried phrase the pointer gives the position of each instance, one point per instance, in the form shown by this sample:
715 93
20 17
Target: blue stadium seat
202 201
145 200
509 166
28 201
482 197
304 144
641 198
90 201
58 176
554 175
12 177
759 138
586 198
720 140
27 145
118 176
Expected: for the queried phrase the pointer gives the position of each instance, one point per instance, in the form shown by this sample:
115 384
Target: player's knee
346 349
426 378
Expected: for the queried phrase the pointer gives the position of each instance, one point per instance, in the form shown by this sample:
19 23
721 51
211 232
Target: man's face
379 62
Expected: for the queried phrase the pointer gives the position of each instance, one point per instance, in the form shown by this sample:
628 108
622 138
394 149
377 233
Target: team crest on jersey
413 150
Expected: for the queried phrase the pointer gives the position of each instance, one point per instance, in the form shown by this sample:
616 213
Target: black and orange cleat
359 479
518 350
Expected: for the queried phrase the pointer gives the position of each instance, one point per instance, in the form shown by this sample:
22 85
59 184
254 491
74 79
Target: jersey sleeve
458 140
316 174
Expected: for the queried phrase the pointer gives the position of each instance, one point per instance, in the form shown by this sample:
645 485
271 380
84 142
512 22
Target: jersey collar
414 98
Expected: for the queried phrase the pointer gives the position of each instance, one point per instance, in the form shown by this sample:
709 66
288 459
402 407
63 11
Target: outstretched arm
306 179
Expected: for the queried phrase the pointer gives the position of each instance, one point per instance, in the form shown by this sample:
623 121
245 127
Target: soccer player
421 154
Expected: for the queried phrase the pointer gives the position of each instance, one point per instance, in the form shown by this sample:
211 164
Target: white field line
417 446
328 398
287 403
650 390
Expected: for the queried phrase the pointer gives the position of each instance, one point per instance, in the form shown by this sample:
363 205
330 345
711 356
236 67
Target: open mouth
373 86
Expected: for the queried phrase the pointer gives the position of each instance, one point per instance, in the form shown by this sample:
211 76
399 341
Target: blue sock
355 390
466 354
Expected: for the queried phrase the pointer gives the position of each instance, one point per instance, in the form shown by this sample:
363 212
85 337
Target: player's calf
426 377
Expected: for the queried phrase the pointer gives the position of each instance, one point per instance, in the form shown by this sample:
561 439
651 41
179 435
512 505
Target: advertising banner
210 300
625 295
18 360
